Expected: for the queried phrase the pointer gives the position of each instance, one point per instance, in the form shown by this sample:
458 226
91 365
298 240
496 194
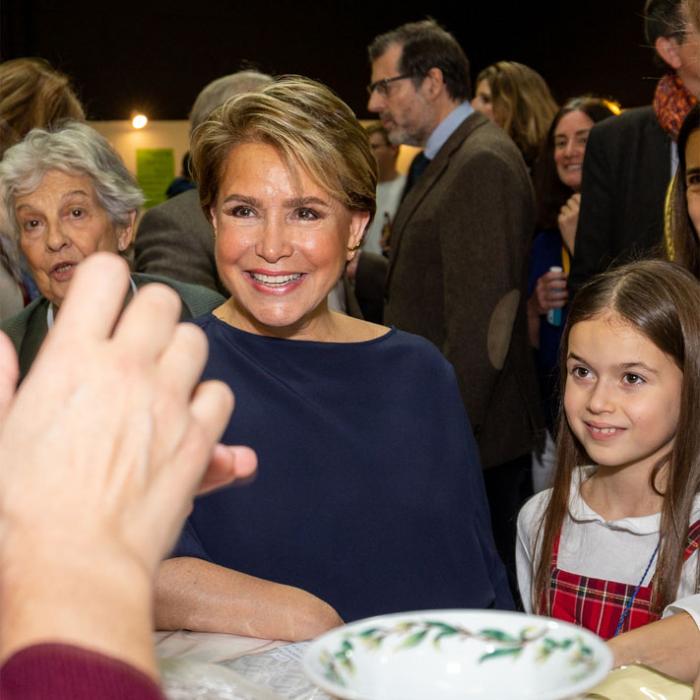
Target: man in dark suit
630 159
459 249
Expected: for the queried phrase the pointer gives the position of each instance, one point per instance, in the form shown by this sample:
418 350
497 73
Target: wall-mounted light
139 121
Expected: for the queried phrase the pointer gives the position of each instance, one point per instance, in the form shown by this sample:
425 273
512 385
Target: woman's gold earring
354 248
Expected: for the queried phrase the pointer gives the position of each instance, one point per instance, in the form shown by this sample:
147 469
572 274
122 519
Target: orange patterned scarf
672 102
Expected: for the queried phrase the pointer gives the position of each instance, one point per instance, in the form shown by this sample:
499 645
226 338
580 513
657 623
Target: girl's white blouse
614 550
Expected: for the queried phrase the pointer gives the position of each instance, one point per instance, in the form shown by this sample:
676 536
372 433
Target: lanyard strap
628 605
565 260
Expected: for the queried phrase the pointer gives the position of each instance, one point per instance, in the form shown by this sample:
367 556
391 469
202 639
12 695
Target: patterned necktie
418 165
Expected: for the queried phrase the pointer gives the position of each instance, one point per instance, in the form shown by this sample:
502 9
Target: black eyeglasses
382 86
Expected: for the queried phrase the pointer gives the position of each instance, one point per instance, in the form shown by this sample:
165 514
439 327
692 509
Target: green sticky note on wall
155 170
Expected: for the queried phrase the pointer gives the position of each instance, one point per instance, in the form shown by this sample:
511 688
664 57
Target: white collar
581 512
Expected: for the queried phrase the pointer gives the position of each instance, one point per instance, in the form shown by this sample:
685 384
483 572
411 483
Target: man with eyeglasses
630 160
460 243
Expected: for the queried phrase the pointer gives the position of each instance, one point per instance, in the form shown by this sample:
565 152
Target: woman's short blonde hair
522 104
308 125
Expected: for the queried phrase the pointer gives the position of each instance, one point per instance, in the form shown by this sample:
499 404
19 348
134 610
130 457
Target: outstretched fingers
210 411
178 371
180 365
9 372
94 299
228 463
148 323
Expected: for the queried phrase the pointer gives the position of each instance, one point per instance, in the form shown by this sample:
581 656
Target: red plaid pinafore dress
597 604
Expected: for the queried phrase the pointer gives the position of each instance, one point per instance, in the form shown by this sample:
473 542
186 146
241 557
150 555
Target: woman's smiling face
570 137
282 243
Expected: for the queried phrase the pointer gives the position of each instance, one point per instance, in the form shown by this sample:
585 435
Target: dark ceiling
157 56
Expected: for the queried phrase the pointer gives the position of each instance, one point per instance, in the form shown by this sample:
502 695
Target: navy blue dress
369 492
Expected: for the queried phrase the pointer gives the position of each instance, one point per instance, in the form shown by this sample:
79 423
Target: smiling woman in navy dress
369 497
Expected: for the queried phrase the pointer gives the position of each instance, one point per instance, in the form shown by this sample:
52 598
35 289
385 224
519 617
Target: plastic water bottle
554 315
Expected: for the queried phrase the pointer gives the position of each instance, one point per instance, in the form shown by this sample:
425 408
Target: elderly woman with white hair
65 194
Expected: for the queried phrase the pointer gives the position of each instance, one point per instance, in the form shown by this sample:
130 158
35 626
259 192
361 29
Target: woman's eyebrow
291 203
245 199
304 202
67 195
73 193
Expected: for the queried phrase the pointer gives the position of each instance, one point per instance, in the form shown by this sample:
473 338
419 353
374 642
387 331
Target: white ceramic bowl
457 655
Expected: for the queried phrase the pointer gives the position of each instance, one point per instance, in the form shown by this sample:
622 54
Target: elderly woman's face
692 179
281 244
61 222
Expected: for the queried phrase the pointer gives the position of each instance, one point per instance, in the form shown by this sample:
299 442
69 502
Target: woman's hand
550 292
568 220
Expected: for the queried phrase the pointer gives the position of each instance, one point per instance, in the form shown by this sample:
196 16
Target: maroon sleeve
65 672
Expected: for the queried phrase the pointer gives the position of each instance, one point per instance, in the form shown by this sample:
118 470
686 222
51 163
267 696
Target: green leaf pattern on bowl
412 633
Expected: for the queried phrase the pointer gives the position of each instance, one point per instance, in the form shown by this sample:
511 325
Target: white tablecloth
204 666
199 666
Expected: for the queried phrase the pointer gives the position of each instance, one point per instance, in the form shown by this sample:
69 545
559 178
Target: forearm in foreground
197 595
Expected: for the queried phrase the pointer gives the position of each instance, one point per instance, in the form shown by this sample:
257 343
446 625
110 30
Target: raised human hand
550 292
110 435
101 451
568 220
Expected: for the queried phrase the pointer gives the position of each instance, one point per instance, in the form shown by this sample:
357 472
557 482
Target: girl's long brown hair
660 300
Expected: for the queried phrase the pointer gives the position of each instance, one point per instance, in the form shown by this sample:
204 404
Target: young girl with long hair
615 541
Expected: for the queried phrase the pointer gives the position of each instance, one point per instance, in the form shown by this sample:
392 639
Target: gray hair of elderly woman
75 148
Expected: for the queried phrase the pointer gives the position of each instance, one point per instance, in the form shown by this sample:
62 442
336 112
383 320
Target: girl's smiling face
622 395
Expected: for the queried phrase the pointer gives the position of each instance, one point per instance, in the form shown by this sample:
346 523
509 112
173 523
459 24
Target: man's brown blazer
457 275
